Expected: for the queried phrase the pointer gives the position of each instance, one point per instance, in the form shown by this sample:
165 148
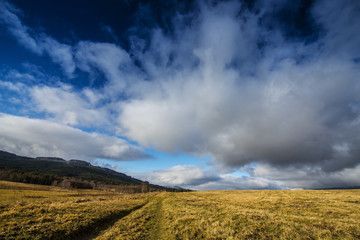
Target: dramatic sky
261 94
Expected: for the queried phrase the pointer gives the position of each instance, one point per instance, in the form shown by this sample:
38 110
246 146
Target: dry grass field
39 212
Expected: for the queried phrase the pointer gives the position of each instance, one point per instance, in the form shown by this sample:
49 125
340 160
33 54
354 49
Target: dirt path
142 223
156 228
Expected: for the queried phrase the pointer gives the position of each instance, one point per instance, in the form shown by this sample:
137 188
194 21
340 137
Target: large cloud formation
288 102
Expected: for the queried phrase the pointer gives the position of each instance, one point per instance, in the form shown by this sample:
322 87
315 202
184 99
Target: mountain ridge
69 173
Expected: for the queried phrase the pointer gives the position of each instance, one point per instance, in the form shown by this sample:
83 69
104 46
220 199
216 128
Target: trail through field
143 223
156 228
106 223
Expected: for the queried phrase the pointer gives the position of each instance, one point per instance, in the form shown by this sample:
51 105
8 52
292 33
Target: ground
41 212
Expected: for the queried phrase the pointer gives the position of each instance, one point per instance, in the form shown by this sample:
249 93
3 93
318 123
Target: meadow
42 212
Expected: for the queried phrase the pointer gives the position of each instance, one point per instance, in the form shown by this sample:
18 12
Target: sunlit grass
42 212
262 215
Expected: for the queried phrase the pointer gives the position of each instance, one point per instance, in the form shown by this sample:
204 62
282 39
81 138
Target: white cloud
111 60
180 175
100 163
60 53
35 137
70 107
16 87
196 178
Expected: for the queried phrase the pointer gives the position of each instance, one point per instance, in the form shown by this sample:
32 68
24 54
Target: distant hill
73 173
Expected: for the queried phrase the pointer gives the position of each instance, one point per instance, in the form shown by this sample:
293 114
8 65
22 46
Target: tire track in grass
94 230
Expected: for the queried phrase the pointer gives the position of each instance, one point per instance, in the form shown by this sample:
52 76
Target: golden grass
61 214
55 213
262 215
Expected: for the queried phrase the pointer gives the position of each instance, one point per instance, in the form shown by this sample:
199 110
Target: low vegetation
28 212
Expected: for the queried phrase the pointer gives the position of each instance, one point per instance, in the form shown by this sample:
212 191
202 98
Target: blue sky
199 94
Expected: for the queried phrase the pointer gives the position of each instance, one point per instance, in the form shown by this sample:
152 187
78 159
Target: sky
205 95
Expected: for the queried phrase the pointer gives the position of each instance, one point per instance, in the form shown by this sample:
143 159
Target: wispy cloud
8 16
38 43
114 62
60 53
16 87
